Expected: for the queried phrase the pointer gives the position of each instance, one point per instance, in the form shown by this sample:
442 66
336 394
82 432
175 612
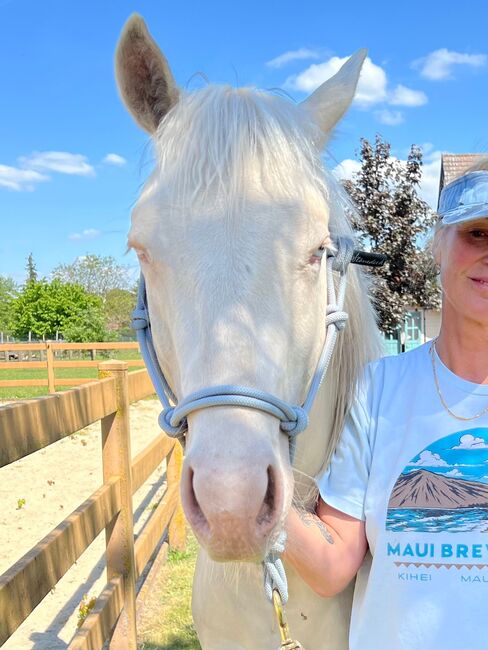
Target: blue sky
72 161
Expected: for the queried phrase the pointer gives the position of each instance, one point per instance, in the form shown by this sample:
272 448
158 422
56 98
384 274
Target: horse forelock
222 142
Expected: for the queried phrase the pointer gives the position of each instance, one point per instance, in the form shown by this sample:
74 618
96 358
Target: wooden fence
48 352
26 427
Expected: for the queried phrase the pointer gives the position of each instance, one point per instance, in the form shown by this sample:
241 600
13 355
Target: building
454 165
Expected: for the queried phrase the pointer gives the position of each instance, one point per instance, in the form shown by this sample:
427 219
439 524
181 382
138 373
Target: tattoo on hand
310 519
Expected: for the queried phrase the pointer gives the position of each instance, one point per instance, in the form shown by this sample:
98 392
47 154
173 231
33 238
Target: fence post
119 533
50 367
177 526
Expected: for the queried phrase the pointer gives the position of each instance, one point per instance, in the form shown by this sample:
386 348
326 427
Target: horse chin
235 549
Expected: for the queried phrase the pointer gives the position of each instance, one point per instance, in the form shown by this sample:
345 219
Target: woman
409 479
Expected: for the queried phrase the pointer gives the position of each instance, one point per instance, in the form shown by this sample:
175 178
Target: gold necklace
433 352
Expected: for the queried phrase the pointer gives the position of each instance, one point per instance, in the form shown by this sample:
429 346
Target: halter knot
164 421
336 316
295 426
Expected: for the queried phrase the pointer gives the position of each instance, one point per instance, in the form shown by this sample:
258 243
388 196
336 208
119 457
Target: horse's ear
331 100
143 75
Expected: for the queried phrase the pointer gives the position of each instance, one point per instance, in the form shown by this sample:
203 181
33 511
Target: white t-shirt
419 479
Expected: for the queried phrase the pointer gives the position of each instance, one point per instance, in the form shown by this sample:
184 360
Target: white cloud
371 87
293 55
114 159
346 169
453 472
471 442
439 64
403 96
429 459
392 118
20 180
62 162
89 233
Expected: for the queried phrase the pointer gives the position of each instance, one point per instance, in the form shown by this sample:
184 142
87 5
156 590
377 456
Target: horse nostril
194 509
268 508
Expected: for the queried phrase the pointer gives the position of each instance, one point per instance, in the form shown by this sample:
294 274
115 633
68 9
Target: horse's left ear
143 75
331 100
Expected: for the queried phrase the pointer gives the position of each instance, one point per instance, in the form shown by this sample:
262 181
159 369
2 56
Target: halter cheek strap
293 418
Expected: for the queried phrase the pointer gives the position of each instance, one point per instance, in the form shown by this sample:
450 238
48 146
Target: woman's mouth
481 282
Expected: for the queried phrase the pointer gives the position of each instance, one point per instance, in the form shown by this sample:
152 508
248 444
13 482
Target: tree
392 219
119 304
95 273
31 269
45 308
8 291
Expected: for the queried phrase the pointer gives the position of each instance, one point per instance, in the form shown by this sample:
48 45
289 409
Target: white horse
230 230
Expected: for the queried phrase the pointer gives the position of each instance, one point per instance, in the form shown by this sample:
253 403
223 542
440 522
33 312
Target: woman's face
463 258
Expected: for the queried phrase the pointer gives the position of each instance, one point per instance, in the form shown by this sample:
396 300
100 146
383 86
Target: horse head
230 230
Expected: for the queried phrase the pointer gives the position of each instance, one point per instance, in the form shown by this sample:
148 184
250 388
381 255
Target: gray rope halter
293 418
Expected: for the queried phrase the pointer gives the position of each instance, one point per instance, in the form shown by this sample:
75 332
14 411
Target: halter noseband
293 418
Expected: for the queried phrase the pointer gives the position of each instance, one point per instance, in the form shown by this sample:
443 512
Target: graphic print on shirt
444 488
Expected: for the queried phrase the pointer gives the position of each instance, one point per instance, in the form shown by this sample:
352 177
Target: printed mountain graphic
424 489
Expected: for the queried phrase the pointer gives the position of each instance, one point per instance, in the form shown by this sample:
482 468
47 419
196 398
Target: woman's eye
478 234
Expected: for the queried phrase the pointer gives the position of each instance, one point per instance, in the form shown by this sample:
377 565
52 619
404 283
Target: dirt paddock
38 492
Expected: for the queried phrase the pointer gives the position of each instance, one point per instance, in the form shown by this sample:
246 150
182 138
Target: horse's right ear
143 75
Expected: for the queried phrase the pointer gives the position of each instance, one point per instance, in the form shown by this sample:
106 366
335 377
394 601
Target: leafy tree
31 269
86 326
392 219
45 308
97 274
8 291
119 304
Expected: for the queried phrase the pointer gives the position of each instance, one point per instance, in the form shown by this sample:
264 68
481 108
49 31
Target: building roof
454 165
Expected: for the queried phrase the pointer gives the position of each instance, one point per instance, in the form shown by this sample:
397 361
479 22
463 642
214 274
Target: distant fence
26 427
48 352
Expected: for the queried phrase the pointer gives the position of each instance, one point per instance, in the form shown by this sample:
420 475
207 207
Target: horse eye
142 255
318 254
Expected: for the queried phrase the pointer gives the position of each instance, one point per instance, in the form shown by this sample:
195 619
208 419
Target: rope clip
286 642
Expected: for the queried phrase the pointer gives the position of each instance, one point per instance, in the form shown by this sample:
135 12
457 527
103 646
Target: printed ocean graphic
459 520
444 488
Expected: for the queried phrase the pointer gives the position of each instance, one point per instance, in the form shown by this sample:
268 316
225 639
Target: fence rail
47 352
26 427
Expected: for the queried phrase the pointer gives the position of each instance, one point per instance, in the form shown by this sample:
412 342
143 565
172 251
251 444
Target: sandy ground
53 482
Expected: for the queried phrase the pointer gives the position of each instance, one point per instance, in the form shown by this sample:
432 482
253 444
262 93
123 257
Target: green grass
27 392
167 621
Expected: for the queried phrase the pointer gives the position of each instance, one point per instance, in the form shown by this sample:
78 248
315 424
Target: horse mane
203 145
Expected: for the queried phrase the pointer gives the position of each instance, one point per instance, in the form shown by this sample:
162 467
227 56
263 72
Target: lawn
167 622
26 392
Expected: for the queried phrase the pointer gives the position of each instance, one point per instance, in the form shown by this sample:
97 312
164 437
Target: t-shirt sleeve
343 483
